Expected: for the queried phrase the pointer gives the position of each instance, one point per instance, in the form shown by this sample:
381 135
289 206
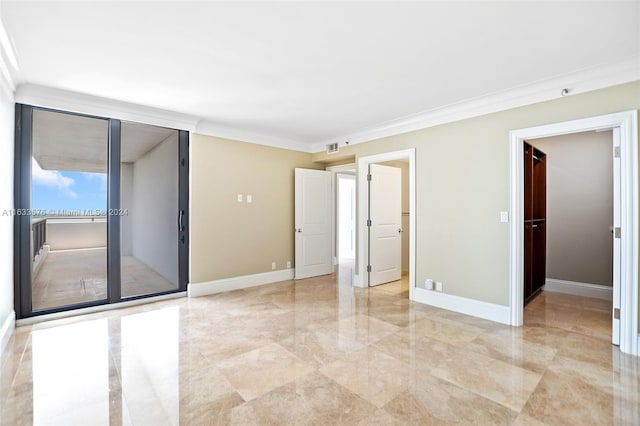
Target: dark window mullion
22 201
114 289
183 206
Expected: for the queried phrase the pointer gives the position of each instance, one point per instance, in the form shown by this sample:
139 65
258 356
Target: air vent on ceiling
332 148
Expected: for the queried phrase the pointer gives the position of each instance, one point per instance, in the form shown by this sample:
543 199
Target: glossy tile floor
68 277
317 352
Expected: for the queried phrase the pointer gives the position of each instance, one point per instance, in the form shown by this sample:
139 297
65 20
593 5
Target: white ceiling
311 72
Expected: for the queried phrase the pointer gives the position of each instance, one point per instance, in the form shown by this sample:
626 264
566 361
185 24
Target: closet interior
535 215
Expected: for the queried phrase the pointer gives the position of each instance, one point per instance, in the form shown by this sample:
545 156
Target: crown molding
207 127
49 97
586 80
579 82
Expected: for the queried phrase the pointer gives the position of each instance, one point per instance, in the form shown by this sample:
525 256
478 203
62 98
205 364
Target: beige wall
462 183
579 206
228 238
404 166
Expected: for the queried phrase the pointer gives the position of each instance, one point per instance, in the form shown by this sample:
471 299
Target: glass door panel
68 210
149 177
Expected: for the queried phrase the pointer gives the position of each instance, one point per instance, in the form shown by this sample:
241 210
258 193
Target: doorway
624 314
362 277
344 190
346 217
102 209
569 239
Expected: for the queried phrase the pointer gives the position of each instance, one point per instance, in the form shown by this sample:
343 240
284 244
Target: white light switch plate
504 217
239 198
249 198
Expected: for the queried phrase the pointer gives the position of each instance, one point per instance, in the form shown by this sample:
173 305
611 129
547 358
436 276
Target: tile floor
317 352
68 277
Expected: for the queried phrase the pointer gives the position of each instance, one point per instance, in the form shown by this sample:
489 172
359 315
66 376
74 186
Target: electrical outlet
439 286
273 266
239 198
428 284
504 217
288 264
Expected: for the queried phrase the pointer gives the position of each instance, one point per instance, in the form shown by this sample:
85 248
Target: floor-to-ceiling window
101 210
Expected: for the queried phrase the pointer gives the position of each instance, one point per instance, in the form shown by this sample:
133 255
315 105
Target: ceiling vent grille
332 148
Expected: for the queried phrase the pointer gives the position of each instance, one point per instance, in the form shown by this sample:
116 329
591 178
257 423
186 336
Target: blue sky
60 190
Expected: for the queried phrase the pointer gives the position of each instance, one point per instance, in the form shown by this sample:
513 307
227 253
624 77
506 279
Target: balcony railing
66 233
39 232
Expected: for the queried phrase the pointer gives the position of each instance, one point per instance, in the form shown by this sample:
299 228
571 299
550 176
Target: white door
312 223
385 216
615 329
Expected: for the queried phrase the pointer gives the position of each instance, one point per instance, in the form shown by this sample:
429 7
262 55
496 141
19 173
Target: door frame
627 122
362 211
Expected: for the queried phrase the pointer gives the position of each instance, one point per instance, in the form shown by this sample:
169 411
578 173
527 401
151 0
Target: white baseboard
6 330
357 282
463 305
236 283
579 289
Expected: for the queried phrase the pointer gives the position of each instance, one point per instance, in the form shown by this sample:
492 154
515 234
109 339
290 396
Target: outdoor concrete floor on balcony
69 277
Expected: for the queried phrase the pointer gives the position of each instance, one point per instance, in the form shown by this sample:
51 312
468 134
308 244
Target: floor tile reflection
319 351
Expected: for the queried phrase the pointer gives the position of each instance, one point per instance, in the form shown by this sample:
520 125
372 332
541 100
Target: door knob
400 230
299 230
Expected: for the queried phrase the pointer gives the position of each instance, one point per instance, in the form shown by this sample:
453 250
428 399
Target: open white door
615 329
312 223
385 224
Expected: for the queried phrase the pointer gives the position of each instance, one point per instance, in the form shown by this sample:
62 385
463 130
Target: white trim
6 330
463 305
49 97
360 278
236 283
351 167
65 100
207 127
100 308
597 291
621 72
357 282
627 123
582 81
